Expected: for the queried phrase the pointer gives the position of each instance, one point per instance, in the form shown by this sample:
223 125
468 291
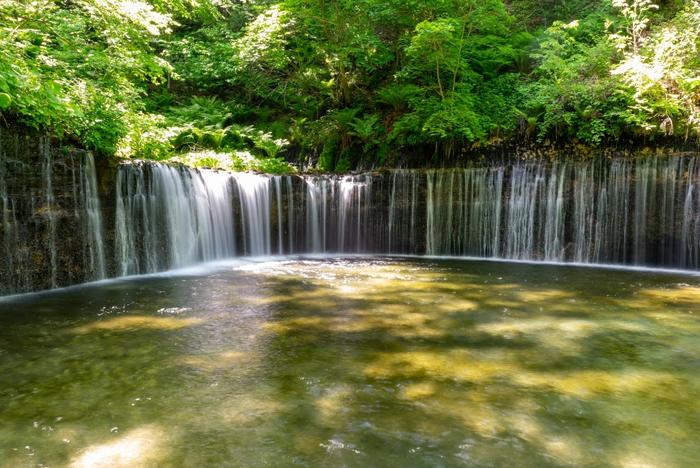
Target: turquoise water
356 362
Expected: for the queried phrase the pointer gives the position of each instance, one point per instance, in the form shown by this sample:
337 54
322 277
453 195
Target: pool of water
356 362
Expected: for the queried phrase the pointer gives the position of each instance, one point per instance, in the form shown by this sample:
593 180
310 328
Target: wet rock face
50 219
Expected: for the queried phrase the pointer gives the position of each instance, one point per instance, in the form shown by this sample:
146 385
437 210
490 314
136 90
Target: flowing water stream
355 362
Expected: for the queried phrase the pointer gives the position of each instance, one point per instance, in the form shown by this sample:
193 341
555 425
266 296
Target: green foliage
272 166
234 161
535 14
232 84
452 65
329 153
662 69
146 137
365 128
79 67
5 100
574 96
398 95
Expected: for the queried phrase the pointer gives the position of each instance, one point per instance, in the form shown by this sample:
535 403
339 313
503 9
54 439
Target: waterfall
621 211
352 200
9 232
554 227
170 217
133 225
92 228
645 179
523 212
316 214
255 201
463 212
690 232
584 212
392 211
49 209
278 191
347 190
290 214
403 208
670 176
612 219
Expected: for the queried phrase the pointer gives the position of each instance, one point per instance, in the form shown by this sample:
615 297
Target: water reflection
356 362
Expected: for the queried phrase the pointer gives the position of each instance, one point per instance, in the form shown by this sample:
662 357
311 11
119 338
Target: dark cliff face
50 214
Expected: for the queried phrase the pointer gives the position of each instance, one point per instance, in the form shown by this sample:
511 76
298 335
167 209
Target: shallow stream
356 362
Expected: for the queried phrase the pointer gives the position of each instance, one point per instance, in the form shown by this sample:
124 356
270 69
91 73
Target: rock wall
51 228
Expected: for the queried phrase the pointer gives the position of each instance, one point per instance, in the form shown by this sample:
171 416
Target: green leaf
5 100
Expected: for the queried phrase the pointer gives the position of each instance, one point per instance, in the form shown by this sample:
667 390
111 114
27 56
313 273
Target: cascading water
170 217
690 214
94 251
620 211
49 209
524 217
623 212
554 226
291 226
644 212
9 232
402 214
316 204
280 214
464 210
354 221
585 200
255 201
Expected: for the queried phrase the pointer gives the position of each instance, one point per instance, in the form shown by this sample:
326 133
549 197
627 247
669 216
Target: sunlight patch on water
540 295
419 391
563 448
638 457
543 327
247 409
454 364
657 299
564 335
473 368
588 383
138 322
334 402
216 361
139 447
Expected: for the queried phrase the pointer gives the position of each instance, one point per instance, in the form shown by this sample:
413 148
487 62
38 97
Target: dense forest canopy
237 83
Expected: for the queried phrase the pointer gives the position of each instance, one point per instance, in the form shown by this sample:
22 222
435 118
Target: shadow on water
356 362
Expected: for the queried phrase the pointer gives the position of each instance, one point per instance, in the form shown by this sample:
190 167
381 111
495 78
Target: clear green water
358 362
